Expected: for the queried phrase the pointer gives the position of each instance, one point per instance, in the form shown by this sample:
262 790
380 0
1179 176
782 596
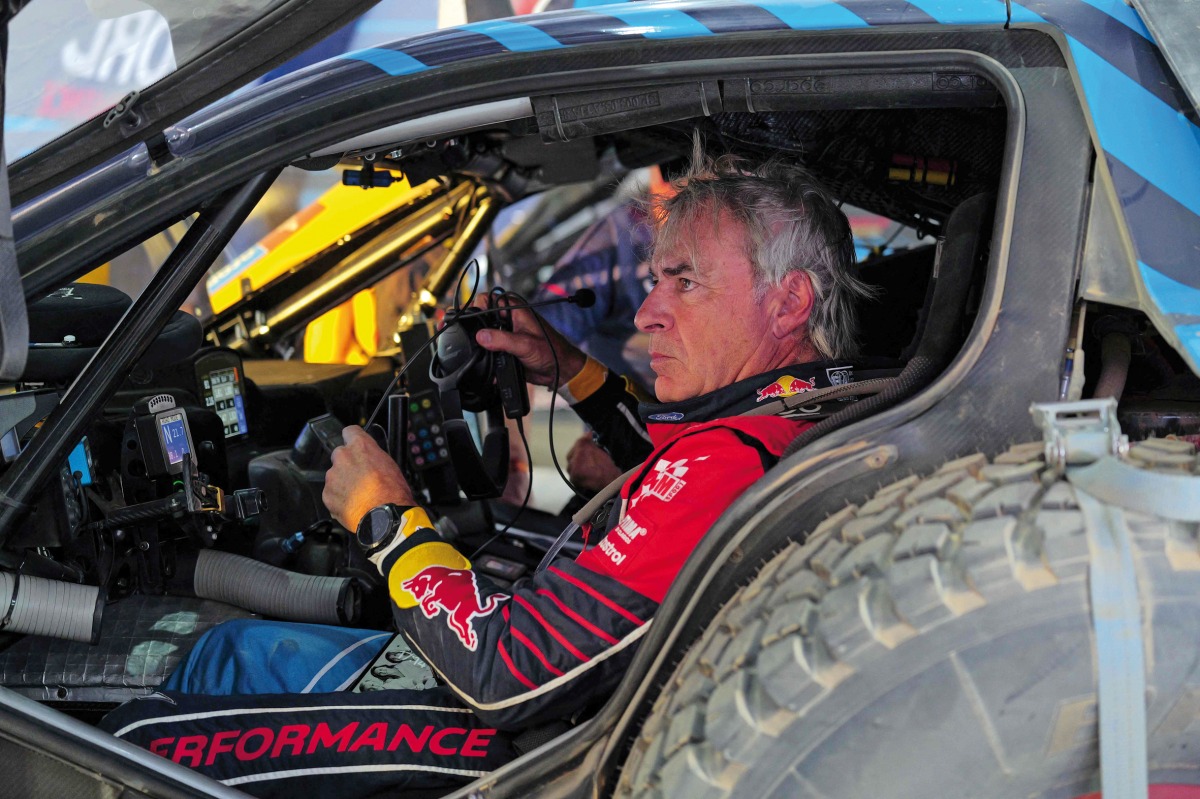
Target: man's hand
361 477
590 467
528 343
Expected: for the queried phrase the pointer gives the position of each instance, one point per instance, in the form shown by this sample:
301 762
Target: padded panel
178 340
142 638
86 311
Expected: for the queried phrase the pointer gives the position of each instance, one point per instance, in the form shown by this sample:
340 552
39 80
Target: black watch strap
379 526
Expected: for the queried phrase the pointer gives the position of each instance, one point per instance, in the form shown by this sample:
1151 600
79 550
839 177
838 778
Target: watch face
375 526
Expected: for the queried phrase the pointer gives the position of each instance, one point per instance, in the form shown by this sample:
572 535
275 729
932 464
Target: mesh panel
850 152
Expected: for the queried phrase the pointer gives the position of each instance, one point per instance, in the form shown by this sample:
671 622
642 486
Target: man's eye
685 284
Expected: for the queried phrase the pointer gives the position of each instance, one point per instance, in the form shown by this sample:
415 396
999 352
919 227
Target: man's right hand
528 343
362 476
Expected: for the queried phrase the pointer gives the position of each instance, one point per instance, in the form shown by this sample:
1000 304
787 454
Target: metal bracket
1077 433
125 106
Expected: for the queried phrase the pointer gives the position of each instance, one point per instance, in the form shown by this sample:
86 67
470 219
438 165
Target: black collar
746 395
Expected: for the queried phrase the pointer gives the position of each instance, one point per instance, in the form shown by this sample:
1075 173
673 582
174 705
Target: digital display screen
223 393
174 437
80 462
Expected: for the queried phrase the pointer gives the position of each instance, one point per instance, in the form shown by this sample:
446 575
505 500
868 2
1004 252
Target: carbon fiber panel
27 772
141 640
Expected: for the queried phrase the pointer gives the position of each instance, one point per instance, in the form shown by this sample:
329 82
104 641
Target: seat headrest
89 312
86 311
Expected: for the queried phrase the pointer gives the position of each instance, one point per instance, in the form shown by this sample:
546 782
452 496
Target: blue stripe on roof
1171 296
887 12
1141 130
514 35
812 14
1189 336
1166 235
590 3
1110 39
659 23
393 62
965 12
1117 9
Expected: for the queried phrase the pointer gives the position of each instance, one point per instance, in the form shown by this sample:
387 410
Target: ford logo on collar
674 416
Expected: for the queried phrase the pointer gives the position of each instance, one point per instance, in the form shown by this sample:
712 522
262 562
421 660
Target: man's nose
652 315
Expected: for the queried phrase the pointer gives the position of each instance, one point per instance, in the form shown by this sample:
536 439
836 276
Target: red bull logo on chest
786 386
440 589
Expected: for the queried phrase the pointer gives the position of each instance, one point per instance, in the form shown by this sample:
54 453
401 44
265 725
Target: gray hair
791 224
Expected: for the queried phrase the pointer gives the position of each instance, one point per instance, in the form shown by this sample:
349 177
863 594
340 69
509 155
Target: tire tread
920 552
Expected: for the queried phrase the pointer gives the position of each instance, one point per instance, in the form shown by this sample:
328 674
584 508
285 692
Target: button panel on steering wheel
426 441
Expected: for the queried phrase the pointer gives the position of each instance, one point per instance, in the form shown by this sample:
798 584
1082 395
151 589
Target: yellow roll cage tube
316 270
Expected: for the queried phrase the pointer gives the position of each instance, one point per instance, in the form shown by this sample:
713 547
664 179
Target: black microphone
584 298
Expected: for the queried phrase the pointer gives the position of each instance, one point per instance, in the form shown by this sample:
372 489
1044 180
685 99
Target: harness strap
583 516
1120 659
785 405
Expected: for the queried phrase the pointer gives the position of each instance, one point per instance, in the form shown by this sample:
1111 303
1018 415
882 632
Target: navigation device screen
223 393
80 462
174 437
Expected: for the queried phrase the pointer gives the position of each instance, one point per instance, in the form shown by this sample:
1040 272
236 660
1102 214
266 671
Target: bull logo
786 386
437 589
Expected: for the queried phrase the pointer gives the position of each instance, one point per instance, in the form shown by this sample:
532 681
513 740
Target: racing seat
889 323
943 322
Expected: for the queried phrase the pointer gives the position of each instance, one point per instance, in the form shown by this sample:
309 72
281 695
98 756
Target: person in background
611 258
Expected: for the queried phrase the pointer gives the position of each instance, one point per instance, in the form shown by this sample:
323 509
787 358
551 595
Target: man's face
706 329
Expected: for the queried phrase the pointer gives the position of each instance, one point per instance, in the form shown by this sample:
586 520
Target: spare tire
936 641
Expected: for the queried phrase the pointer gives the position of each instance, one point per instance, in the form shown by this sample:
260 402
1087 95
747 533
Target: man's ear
794 305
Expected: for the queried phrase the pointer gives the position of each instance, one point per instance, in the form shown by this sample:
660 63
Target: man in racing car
753 299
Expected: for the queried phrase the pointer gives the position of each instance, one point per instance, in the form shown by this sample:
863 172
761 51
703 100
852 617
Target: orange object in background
348 333
101 275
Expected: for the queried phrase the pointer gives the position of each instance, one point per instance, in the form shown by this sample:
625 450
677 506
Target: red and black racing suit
563 638
554 644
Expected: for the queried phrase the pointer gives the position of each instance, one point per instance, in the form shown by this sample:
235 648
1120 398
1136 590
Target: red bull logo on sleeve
454 591
786 386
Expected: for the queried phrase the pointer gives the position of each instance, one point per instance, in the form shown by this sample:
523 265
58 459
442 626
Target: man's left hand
590 467
362 476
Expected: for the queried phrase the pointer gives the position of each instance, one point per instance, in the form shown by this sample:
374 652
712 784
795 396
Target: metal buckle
1079 432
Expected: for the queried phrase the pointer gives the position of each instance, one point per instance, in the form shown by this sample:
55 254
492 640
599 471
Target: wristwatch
379 527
